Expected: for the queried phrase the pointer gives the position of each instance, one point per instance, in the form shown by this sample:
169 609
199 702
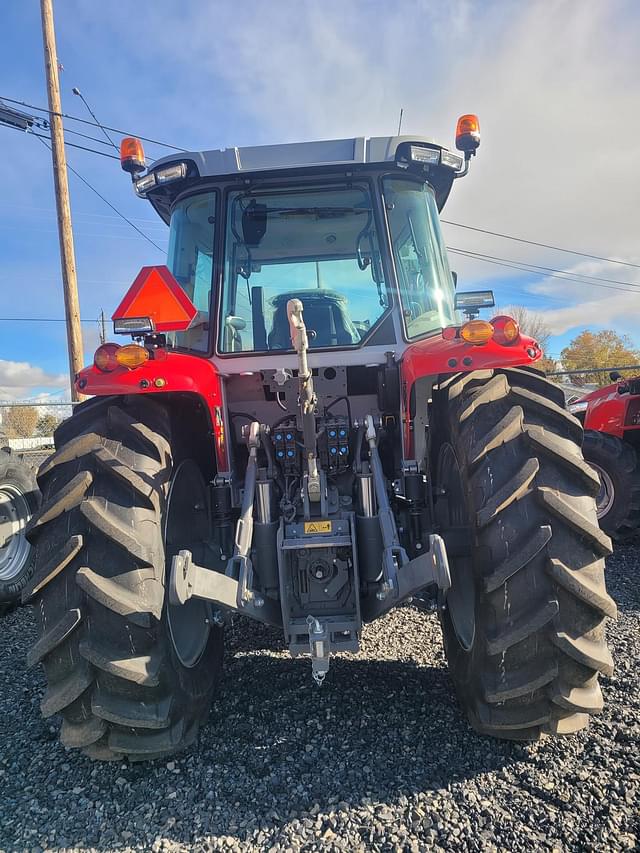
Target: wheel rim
452 512
607 493
14 515
186 527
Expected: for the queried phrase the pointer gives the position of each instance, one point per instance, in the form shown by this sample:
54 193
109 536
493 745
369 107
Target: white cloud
606 304
554 83
19 379
555 86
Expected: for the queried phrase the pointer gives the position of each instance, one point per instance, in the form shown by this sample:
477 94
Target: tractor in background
611 420
19 499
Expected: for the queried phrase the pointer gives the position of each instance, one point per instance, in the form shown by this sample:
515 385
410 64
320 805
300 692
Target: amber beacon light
132 155
468 134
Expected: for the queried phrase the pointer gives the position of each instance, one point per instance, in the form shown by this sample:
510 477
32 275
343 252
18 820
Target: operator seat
325 316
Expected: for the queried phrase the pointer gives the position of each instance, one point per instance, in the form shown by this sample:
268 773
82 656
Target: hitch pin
319 648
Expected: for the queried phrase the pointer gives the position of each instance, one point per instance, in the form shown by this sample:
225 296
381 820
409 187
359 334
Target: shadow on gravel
276 749
280 757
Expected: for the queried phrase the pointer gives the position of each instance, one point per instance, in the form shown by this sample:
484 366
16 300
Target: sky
555 84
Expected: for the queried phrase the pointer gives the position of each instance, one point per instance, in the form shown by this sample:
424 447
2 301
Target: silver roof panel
330 152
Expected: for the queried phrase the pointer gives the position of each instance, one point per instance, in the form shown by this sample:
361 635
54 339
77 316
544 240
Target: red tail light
506 330
105 357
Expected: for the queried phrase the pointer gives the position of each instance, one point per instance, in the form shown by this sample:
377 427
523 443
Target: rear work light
421 154
451 160
133 326
160 176
505 329
143 185
476 332
132 157
171 173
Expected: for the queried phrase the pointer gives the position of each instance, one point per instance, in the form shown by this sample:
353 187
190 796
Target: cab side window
190 259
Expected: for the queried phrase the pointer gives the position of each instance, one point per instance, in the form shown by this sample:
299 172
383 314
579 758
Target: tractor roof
292 155
359 151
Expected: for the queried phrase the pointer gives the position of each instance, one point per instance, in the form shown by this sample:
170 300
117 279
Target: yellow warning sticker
317 527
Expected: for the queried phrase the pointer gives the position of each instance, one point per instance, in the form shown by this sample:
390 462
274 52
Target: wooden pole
65 232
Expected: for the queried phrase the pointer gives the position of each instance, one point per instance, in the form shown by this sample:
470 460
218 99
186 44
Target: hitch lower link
401 577
234 589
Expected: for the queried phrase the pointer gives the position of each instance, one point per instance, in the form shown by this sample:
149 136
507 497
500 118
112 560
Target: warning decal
317 527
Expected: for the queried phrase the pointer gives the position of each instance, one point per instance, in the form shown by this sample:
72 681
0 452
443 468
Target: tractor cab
350 227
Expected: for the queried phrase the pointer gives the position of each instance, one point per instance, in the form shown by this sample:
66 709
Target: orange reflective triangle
156 294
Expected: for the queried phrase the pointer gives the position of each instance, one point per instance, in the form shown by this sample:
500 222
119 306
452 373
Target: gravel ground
379 758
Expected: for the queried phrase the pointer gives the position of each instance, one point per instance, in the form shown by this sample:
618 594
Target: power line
542 245
522 268
77 92
71 144
108 203
43 124
156 222
83 135
564 275
37 320
92 123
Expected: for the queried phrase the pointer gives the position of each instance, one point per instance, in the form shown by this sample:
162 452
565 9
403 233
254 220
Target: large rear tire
524 623
618 501
19 499
124 688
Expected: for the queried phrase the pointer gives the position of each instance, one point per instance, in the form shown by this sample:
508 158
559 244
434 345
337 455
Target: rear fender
611 409
172 376
175 372
436 356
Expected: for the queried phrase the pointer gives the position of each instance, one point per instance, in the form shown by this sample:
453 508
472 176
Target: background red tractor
611 420
307 432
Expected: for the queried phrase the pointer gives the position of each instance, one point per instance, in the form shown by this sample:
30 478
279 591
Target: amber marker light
132 155
476 332
505 329
105 357
131 356
468 133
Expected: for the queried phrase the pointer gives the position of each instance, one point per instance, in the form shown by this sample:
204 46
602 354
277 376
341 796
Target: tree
535 326
598 350
20 421
47 424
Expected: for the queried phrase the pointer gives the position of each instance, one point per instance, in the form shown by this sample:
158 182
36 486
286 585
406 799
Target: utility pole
67 254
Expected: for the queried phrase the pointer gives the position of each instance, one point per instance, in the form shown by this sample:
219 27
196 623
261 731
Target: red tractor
611 420
306 432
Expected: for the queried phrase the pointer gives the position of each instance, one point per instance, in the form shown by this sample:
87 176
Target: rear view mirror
254 223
